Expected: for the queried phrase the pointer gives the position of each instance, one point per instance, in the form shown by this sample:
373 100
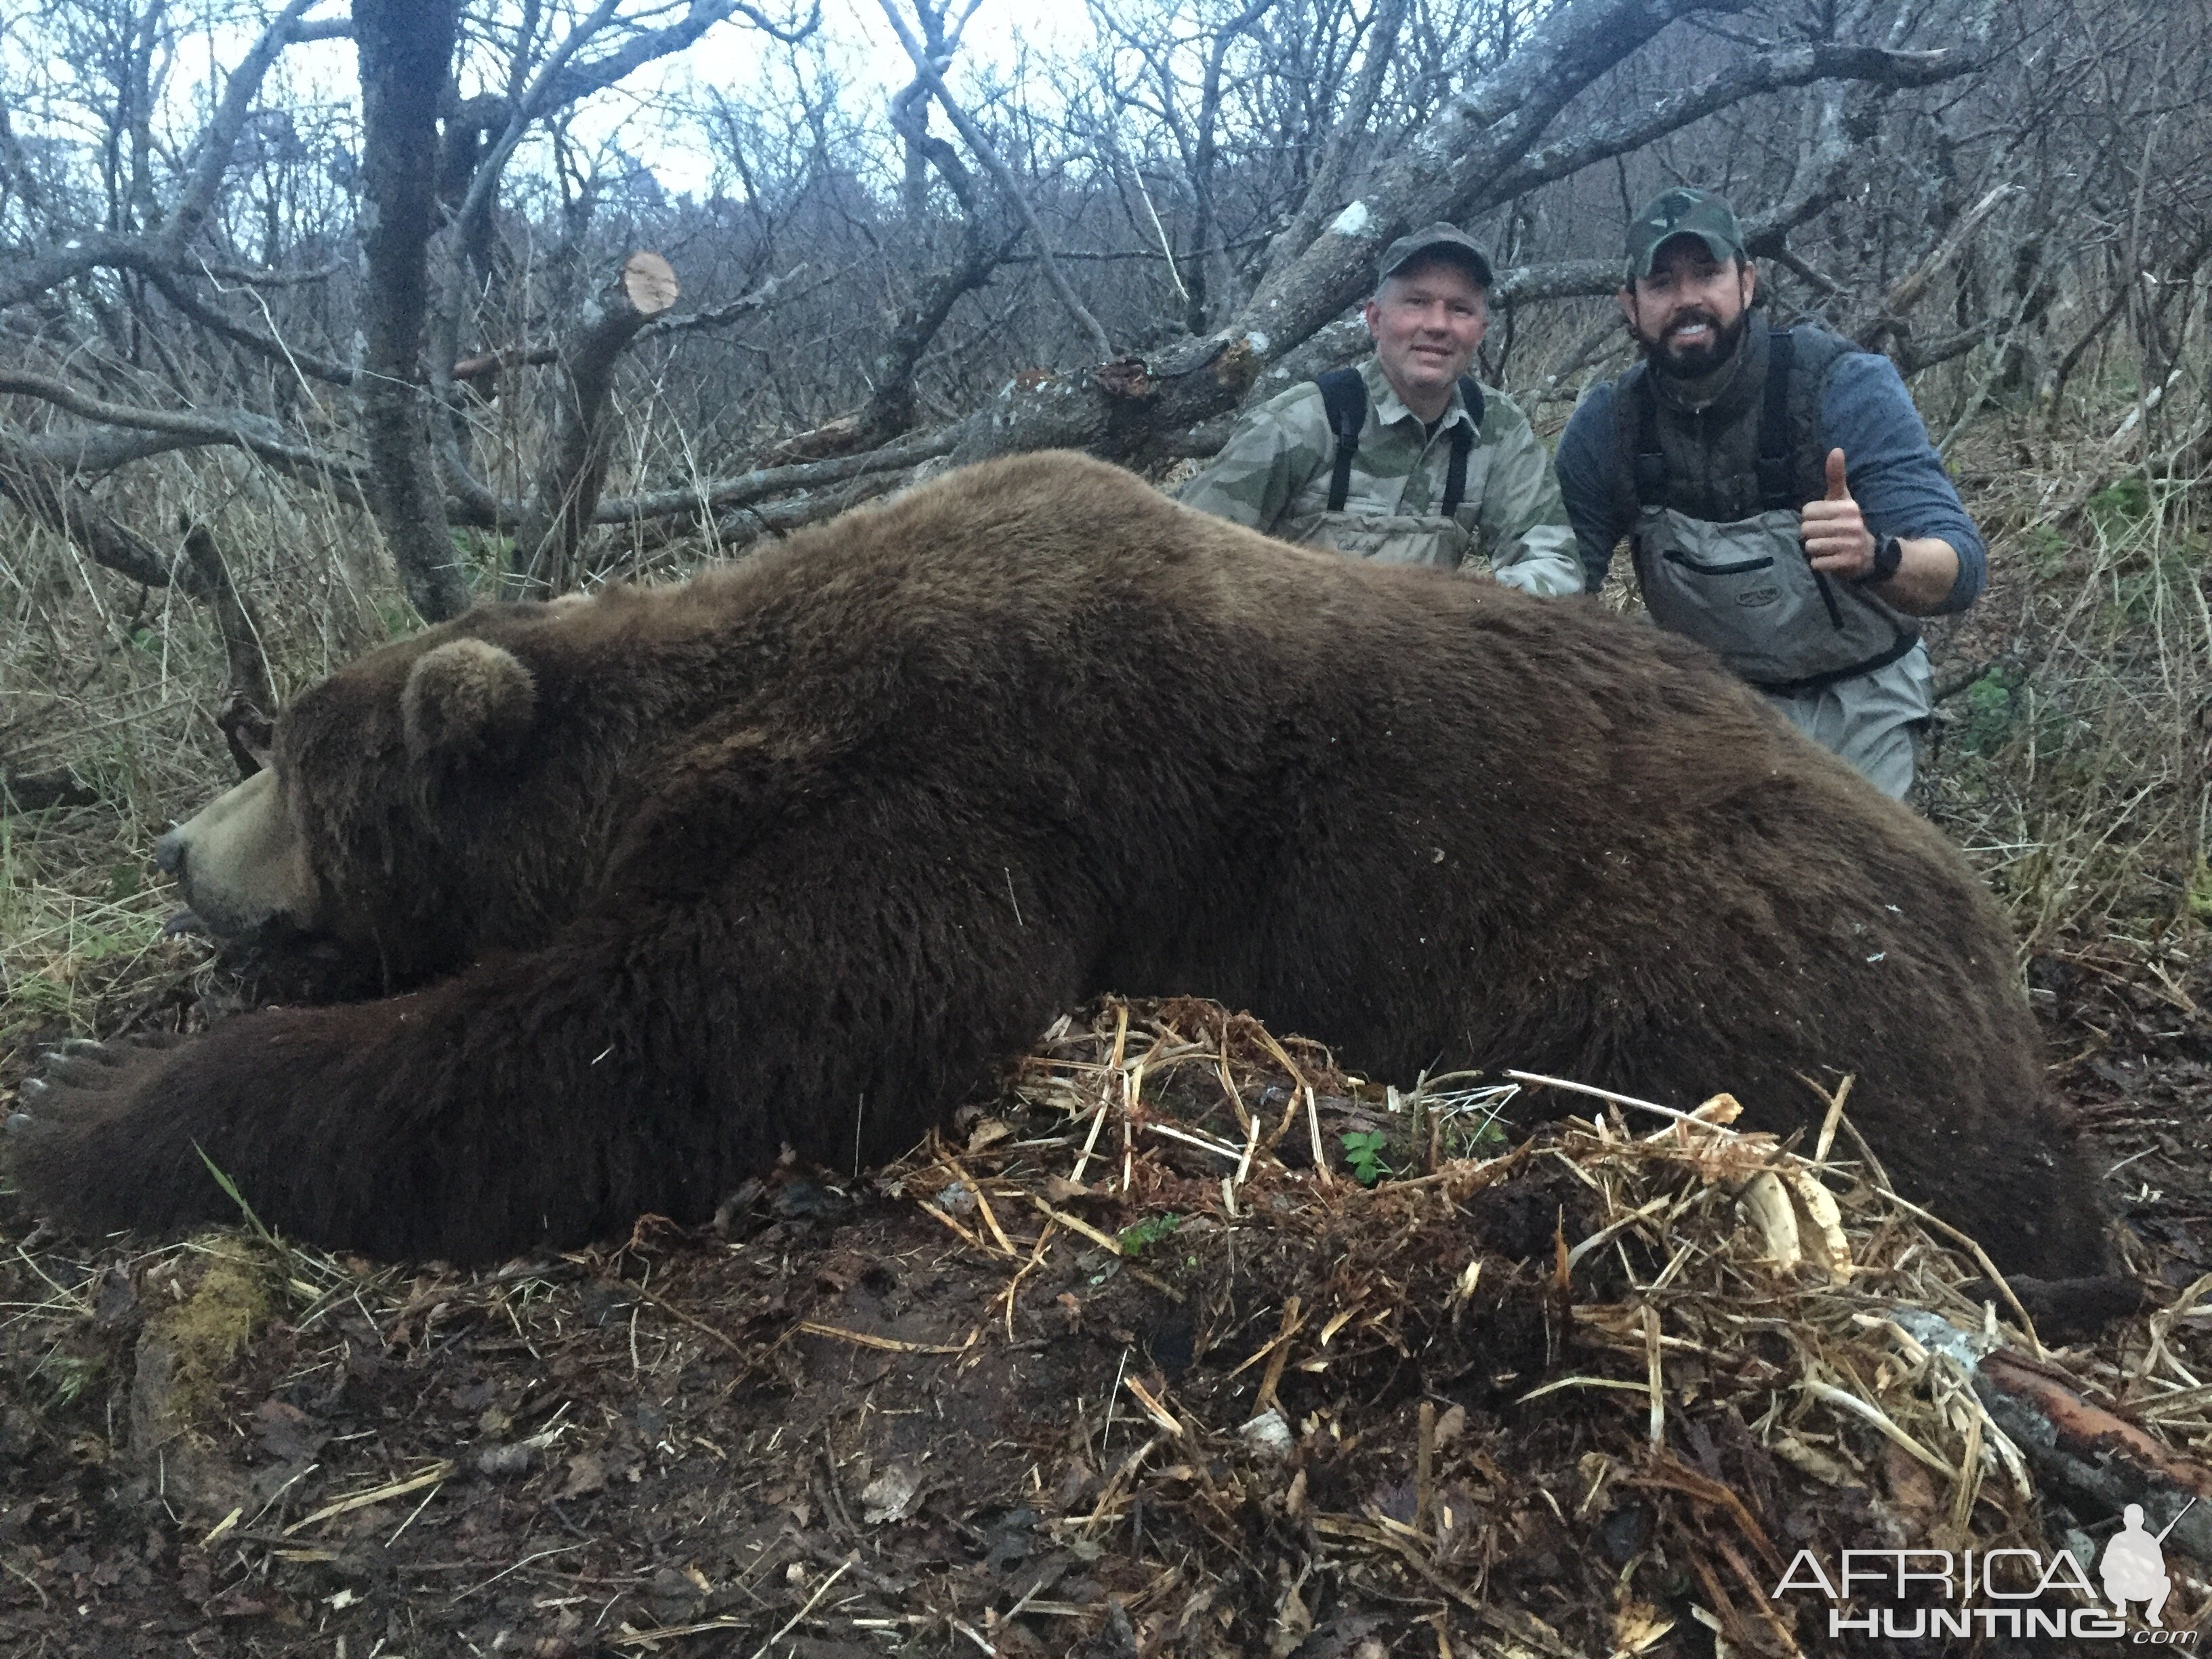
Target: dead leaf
584 1476
1636 1625
989 1132
889 1496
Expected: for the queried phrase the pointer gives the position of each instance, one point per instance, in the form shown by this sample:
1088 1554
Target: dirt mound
1183 1344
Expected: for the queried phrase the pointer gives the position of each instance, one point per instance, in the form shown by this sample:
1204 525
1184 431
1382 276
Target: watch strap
1888 555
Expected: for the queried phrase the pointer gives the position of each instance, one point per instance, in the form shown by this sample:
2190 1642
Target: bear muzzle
238 865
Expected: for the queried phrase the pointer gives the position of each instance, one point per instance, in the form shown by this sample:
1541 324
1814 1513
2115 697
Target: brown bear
796 851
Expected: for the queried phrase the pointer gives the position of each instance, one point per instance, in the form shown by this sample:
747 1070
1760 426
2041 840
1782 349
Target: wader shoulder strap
1777 456
1463 444
1343 396
1778 471
1649 461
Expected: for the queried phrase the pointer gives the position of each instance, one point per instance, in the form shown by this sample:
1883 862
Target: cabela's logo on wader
1752 597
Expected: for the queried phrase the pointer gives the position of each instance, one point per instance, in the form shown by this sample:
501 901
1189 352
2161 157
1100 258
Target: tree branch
573 81
406 49
548 547
1907 294
249 277
76 257
1204 152
1482 130
767 481
170 282
1794 66
235 428
927 69
249 696
1322 193
488 365
220 139
1913 356
48 494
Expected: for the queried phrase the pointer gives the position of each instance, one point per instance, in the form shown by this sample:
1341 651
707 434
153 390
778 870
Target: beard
1687 363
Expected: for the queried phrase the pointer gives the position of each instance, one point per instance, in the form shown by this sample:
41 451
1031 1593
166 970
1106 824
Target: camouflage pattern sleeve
1524 525
1274 453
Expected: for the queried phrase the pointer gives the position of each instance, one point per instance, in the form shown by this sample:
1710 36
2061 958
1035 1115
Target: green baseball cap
1682 211
1443 240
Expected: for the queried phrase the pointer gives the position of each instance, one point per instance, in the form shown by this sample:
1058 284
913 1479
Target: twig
982 1201
677 1313
558 1549
1626 1100
885 1344
442 1470
1980 1255
925 70
812 1601
1657 1376
1199 1141
1104 1241
1873 1414
1313 1125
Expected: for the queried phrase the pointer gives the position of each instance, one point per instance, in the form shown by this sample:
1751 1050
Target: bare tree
417 311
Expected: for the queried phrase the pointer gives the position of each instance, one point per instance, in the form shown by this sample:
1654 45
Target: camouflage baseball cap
1448 241
1682 212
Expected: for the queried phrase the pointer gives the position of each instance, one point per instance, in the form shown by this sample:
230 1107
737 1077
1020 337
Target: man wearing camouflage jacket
1403 460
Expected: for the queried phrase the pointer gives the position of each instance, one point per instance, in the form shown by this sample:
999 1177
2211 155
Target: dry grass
1697 1283
2070 764
114 685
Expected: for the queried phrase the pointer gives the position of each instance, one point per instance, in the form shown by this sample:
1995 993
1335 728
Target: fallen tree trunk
1482 149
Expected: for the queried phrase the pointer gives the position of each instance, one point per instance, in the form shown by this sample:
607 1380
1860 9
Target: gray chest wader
1432 539
1746 588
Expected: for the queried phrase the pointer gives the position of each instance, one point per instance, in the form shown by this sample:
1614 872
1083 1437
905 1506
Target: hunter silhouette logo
2134 1566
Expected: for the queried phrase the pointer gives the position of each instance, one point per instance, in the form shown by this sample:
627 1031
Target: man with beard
1404 457
1782 501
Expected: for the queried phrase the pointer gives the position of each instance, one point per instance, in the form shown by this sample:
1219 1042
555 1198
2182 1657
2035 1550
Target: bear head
387 785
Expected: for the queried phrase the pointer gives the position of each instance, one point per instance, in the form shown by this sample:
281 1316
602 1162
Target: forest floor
1182 1395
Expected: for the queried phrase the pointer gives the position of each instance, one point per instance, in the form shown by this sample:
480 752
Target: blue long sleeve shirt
1894 471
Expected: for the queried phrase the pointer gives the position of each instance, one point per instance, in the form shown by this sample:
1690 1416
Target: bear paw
74 1142
73 1078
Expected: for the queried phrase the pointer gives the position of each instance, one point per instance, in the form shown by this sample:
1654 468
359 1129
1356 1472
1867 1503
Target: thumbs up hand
1837 539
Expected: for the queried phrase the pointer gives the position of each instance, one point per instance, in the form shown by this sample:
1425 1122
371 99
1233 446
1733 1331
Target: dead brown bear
796 851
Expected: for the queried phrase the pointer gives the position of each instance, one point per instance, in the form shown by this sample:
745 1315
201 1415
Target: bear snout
237 863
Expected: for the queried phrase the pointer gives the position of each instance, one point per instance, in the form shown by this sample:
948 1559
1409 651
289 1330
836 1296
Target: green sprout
1363 1150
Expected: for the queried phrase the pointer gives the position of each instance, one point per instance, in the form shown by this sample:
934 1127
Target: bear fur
795 853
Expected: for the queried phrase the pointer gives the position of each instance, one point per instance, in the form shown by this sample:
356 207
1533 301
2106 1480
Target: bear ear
467 699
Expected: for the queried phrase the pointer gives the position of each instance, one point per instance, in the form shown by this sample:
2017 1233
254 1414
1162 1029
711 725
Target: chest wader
1747 588
1435 539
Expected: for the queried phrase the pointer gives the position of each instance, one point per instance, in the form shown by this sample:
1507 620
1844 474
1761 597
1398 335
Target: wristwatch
1888 554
